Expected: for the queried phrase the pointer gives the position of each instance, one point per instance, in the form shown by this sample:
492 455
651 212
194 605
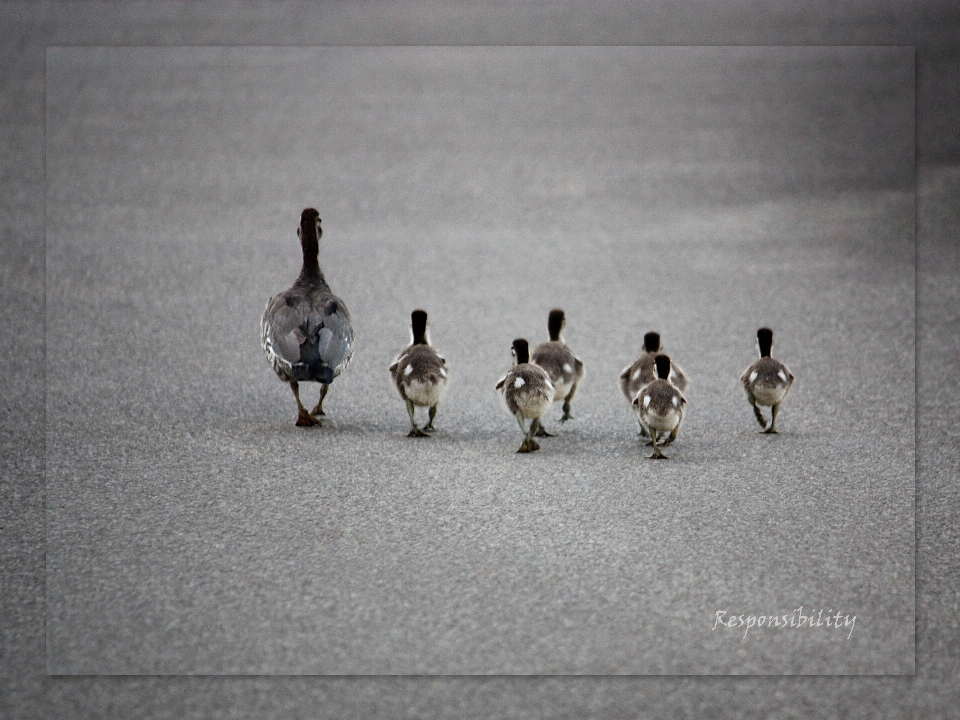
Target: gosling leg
566 404
542 431
414 430
756 411
534 426
525 445
657 453
433 413
673 435
773 420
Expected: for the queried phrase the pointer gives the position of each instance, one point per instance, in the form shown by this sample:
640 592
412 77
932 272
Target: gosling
420 374
659 408
766 382
526 392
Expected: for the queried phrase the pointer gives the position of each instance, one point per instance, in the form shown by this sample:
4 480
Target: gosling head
651 342
663 366
521 351
419 330
764 341
556 322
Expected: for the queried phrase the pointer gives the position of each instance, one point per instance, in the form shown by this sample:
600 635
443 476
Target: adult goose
305 331
526 392
767 381
564 368
420 374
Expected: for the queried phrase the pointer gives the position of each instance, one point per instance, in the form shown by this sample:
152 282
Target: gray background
26 694
702 192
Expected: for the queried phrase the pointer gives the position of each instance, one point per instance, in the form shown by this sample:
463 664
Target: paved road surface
702 193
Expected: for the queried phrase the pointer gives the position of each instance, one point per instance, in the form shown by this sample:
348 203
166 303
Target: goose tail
316 372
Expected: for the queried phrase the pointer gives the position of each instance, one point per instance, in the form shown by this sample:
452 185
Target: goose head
309 234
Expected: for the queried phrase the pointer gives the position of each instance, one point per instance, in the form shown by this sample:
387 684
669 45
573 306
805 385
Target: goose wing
281 334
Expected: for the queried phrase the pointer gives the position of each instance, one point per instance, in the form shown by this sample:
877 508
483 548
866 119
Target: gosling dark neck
663 366
651 342
418 327
555 324
765 341
521 351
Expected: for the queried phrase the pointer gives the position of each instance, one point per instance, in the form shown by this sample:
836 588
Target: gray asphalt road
702 193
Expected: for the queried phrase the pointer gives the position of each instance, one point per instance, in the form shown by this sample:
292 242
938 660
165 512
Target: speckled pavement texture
193 529
190 528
